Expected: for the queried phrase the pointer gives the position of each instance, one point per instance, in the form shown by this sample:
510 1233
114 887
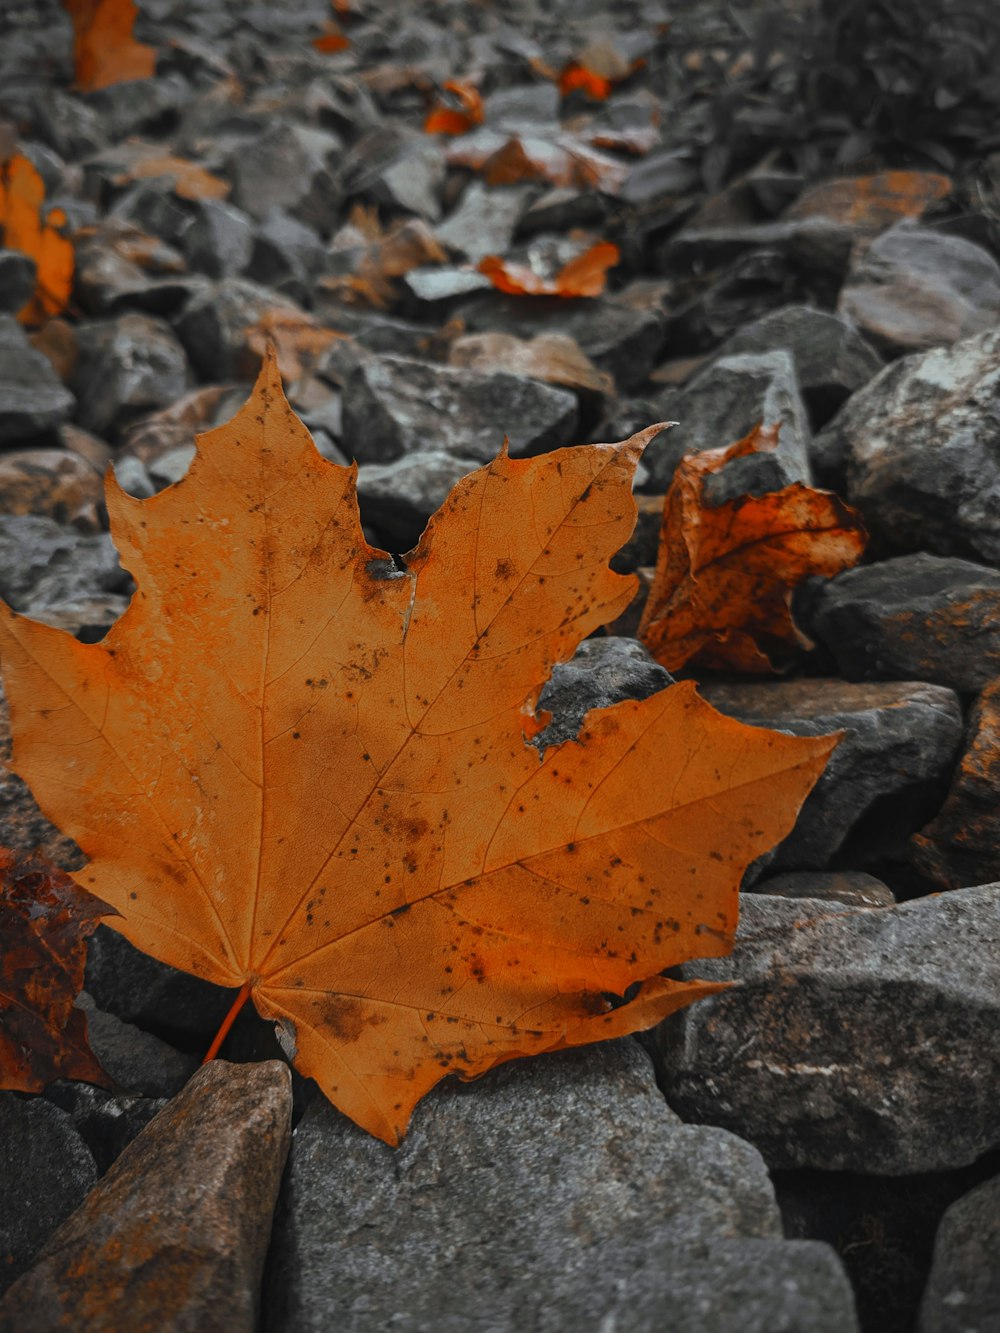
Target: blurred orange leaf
23 227
104 50
444 119
586 275
577 78
721 593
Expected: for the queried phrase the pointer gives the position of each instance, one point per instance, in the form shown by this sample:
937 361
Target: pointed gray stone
174 1236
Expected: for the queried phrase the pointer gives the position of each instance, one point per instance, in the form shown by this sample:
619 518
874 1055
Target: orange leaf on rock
874 201
577 78
300 771
23 227
104 50
725 573
586 275
297 339
44 921
444 119
190 179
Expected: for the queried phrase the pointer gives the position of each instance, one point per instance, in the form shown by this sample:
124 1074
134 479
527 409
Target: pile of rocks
839 1102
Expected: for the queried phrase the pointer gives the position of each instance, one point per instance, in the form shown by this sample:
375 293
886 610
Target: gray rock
141 990
40 559
484 221
46 1169
884 779
853 1035
917 617
919 448
155 210
33 400
394 406
169 467
126 366
133 477
17 280
600 673
69 124
218 239
562 208
214 327
107 278
107 1122
831 358
140 104
138 1061
624 341
410 179
176 1233
290 167
398 498
286 255
852 887
722 404
914 288
443 282
708 309
551 1194
963 1290
815 243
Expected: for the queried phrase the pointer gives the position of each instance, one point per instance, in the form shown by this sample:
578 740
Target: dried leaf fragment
446 119
44 921
585 275
24 227
724 574
104 49
304 773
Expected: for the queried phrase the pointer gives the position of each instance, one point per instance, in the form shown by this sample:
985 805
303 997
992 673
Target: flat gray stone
290 167
852 887
914 288
46 1170
174 1236
218 239
483 222
919 446
602 672
393 406
853 1036
721 405
917 617
900 739
551 1194
831 358
963 1290
126 366
33 400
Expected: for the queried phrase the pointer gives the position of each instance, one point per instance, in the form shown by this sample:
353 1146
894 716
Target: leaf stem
228 1021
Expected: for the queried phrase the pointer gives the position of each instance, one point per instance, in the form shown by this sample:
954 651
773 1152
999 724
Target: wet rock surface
594 1202
851 1035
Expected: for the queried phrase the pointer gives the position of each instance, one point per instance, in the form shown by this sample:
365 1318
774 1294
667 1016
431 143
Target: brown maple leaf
26 227
104 50
44 921
303 772
725 573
